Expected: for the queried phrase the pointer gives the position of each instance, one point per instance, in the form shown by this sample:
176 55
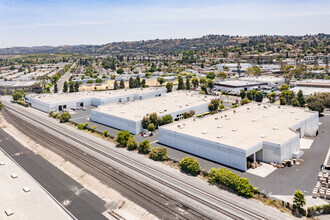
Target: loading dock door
60 107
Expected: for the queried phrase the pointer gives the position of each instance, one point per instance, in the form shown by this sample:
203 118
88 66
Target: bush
17 96
190 165
51 113
282 101
98 81
222 106
93 127
167 119
231 180
123 137
131 144
20 102
144 147
151 127
56 115
235 106
105 133
81 126
245 101
65 117
145 122
159 154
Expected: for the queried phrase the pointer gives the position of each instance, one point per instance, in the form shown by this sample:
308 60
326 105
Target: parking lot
281 181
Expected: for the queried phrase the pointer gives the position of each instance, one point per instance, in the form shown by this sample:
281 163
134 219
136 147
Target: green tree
12 67
315 103
65 117
245 101
144 147
287 73
190 165
154 119
202 81
188 86
242 94
282 101
65 86
115 85
151 127
161 80
284 87
195 82
300 98
71 86
295 102
299 200
169 86
288 95
122 84
76 86
210 84
204 88
271 96
1 106
222 75
167 119
180 84
131 144
249 95
120 71
55 88
145 122
98 80
259 96
254 71
159 154
123 137
17 96
210 75
105 133
143 83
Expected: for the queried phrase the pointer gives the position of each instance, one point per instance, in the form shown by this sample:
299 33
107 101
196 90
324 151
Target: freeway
160 189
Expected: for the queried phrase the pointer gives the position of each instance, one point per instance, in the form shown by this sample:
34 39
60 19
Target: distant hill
157 46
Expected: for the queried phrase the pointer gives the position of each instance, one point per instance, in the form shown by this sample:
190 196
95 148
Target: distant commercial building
271 81
7 87
309 87
235 86
252 132
128 116
64 101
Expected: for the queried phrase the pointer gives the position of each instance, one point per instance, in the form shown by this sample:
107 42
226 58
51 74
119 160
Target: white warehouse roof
165 104
245 126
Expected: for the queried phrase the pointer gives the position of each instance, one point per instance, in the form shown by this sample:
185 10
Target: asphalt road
83 203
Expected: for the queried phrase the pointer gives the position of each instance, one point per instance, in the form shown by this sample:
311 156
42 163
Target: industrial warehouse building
252 132
62 101
235 86
128 116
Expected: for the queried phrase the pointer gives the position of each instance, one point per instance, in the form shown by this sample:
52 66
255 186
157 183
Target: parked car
143 133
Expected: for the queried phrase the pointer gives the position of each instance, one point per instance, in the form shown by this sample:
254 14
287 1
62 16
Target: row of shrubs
64 117
316 210
231 180
22 103
125 138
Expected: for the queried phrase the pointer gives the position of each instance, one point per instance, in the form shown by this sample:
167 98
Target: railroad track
114 156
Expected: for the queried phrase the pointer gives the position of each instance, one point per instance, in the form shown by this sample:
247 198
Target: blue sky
65 22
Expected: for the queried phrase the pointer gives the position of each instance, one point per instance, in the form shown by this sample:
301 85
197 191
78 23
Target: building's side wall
289 147
113 121
45 107
308 126
271 152
201 147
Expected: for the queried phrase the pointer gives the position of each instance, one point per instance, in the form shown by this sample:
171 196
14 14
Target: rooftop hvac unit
292 111
297 118
219 126
219 136
2 163
216 118
26 189
264 116
204 132
14 176
9 212
254 120
227 118
275 128
234 129
263 136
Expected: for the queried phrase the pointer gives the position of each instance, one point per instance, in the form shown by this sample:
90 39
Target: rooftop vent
219 126
263 136
2 163
297 118
292 111
264 116
204 132
9 212
216 118
254 120
275 128
234 129
26 189
14 176
227 118
219 136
